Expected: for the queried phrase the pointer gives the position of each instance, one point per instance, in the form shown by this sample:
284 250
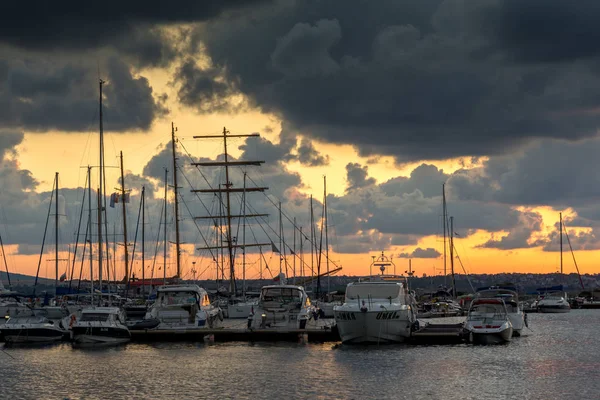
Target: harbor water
558 358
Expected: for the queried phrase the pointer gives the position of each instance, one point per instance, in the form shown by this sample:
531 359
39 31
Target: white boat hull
491 337
517 320
373 326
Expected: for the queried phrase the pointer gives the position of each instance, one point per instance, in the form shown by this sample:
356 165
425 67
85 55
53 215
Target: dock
238 334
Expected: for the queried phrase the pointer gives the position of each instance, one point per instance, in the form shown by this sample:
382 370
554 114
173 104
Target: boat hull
373 326
32 335
486 338
100 335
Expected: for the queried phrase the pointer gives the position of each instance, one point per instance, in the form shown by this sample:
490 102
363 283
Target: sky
498 100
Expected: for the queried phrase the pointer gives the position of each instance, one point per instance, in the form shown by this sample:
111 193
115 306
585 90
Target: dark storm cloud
308 155
358 176
428 80
519 236
543 30
40 25
42 94
421 253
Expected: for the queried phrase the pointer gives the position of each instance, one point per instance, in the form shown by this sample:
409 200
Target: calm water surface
558 359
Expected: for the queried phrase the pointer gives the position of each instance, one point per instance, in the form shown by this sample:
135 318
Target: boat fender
72 320
220 315
525 320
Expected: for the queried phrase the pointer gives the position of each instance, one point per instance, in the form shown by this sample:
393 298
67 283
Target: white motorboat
32 329
100 326
181 307
553 303
377 309
511 300
283 307
488 322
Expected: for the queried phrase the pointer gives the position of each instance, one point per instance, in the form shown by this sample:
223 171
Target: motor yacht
511 300
488 322
100 326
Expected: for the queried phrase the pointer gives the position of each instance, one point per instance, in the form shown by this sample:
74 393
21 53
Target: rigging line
78 231
137 227
44 238
191 215
573 255
464 270
157 243
87 228
200 199
253 210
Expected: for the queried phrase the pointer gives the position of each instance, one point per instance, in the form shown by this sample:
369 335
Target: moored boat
32 329
181 308
100 326
511 300
285 307
377 309
487 322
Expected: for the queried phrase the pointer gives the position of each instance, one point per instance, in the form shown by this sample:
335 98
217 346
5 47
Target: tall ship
378 308
229 221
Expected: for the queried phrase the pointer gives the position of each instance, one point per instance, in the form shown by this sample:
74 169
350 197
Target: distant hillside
20 279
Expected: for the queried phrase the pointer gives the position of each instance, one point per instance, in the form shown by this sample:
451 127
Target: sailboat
554 299
100 325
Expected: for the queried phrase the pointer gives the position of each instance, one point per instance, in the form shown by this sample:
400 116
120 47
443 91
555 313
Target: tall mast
89 172
99 243
301 253
100 189
126 278
280 240
56 233
165 229
143 242
294 251
444 223
312 239
452 256
227 188
561 242
177 243
326 234
244 239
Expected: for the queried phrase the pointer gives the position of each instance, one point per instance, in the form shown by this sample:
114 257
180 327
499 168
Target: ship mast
126 278
100 191
177 242
228 188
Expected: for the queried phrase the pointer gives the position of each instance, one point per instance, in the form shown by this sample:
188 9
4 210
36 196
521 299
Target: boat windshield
374 291
174 298
281 295
101 317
